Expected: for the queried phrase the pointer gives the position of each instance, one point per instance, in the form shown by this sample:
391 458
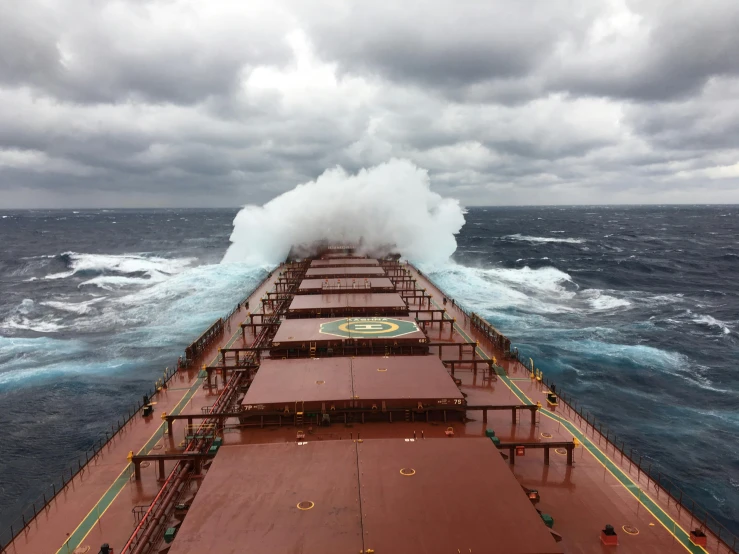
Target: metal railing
656 478
48 495
149 529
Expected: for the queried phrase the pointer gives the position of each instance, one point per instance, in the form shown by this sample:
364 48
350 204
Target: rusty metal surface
365 262
344 272
462 497
280 383
249 501
403 381
352 300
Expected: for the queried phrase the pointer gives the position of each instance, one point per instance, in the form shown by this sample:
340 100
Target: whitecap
539 290
26 324
712 322
527 238
77 308
152 266
603 302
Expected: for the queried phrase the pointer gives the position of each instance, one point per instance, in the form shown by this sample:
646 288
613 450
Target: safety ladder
313 350
299 413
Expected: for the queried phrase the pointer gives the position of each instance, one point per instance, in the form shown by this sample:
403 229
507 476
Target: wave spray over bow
389 204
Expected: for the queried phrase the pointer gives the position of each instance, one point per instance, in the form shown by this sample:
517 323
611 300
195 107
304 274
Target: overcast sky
217 103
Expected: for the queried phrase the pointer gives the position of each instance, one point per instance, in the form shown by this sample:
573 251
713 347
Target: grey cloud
103 52
465 49
210 104
684 45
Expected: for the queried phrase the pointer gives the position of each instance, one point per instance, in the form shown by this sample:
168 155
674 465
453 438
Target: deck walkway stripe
643 498
88 523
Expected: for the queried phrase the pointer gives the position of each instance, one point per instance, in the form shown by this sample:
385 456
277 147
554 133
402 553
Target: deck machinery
356 408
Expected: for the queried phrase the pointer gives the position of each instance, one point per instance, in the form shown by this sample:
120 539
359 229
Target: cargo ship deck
409 431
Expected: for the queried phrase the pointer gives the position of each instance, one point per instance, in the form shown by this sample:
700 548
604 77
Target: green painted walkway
87 524
620 476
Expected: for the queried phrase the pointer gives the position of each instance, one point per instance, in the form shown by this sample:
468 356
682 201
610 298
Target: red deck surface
401 381
345 263
337 285
462 497
344 382
344 272
248 502
281 383
327 302
581 498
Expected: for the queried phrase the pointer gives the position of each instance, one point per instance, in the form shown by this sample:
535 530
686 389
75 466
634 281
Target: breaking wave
79 308
123 269
600 301
712 322
544 290
387 205
526 238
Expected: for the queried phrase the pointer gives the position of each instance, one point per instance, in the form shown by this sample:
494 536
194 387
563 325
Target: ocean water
633 311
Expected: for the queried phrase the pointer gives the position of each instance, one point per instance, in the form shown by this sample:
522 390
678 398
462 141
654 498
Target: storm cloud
189 103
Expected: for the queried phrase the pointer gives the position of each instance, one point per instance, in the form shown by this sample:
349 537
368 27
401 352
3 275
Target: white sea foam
389 204
604 302
638 354
151 266
20 323
23 375
527 238
712 322
490 289
113 282
74 307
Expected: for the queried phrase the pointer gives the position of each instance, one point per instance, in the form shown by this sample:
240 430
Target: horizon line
152 208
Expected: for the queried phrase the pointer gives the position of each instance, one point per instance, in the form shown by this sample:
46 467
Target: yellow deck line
66 546
628 477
